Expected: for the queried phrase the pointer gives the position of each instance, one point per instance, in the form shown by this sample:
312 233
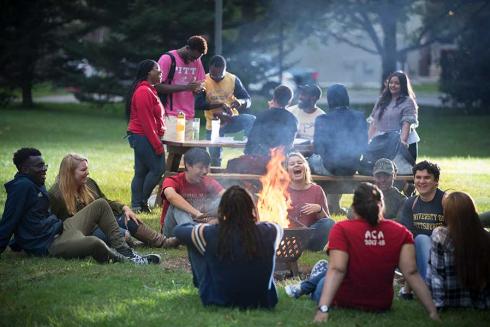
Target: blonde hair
70 191
308 179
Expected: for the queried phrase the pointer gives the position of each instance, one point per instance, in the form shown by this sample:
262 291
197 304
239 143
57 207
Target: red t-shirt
299 198
374 254
198 195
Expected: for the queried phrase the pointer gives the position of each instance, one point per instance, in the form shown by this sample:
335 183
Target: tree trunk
27 94
388 18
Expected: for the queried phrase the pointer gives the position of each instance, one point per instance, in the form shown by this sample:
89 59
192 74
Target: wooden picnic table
175 149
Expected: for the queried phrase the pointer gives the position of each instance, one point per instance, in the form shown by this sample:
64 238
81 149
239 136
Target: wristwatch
323 308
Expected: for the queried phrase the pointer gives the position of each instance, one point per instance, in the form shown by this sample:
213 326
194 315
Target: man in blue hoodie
339 140
28 217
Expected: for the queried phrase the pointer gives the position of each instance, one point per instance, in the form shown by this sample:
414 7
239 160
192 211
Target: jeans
314 284
148 170
131 226
238 123
176 217
422 253
316 165
320 234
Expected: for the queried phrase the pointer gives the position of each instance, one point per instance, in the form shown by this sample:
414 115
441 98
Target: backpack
166 98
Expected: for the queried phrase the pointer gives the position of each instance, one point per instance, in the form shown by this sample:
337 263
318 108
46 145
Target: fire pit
290 249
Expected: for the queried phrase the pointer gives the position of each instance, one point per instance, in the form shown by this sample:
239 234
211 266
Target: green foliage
466 70
48 291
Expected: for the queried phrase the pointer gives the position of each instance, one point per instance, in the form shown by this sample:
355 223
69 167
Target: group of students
232 253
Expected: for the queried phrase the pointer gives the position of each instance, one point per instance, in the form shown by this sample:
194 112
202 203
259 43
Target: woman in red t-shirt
145 130
364 253
308 202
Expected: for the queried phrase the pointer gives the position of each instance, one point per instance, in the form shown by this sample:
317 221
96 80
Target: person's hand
320 317
224 117
200 217
195 87
311 208
129 214
235 104
226 109
404 143
434 316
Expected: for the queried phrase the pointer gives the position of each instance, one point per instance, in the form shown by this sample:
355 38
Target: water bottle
180 127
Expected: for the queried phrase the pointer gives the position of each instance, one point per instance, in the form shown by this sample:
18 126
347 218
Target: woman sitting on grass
233 261
74 190
459 266
309 204
364 253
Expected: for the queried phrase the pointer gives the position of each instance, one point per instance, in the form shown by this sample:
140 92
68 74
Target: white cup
215 125
196 124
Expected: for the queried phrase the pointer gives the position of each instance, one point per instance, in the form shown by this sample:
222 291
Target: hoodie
28 217
340 135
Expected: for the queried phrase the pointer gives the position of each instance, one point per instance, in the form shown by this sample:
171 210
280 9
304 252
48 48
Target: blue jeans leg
422 252
317 167
214 152
320 234
317 293
198 266
173 218
148 169
309 285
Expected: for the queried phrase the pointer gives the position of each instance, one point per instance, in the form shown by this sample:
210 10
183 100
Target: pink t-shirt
315 195
374 253
198 195
184 74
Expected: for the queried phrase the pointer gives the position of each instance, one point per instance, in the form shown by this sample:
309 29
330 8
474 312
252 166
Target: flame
273 199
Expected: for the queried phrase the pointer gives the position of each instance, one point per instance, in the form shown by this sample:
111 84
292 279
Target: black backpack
166 98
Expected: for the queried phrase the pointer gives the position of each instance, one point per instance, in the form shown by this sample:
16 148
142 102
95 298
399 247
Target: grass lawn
48 291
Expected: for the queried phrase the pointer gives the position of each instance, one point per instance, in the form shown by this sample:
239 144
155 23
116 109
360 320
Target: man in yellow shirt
224 98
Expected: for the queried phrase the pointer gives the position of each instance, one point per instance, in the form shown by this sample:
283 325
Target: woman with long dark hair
233 261
146 127
396 111
459 266
364 253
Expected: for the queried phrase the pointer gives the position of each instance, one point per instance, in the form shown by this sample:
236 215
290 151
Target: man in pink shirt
182 77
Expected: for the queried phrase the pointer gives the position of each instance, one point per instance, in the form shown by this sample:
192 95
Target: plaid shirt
442 279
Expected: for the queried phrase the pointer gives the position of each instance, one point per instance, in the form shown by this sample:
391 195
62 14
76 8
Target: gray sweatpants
76 241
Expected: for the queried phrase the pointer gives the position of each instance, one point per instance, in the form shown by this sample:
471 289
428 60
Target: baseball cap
384 165
311 89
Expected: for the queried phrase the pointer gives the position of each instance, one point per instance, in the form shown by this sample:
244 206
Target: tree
375 26
130 31
32 34
466 70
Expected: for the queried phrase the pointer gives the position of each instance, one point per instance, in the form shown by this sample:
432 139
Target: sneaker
404 295
293 290
138 259
320 268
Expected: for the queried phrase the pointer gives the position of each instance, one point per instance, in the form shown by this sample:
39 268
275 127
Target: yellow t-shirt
306 121
218 92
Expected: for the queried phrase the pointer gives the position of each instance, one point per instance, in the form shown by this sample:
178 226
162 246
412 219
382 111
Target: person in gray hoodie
340 138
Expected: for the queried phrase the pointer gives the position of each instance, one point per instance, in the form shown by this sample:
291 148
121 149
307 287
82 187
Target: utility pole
218 25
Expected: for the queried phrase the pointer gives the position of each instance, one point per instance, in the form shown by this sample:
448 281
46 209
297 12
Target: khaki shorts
171 127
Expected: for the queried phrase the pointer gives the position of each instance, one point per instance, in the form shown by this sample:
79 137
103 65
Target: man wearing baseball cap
306 110
384 173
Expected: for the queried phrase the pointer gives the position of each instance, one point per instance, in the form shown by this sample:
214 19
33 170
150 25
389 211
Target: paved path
356 97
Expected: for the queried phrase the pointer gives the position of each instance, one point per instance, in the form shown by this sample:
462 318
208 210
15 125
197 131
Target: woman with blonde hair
308 202
73 190
459 265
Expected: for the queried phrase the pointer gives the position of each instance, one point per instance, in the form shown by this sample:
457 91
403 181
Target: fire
273 199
